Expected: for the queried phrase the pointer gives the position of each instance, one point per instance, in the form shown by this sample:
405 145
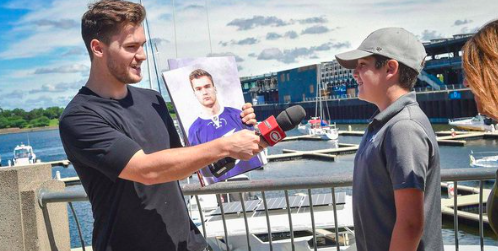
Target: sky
43 60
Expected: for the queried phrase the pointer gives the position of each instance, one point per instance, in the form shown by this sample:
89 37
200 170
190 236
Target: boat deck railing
331 184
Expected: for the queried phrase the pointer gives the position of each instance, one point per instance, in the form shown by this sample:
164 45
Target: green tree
39 122
17 121
36 117
171 109
35 113
53 112
4 122
18 112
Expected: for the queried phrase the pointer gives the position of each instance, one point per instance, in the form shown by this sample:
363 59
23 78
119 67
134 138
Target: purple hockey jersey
225 123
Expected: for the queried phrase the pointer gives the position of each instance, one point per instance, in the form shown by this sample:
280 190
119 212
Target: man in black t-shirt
124 146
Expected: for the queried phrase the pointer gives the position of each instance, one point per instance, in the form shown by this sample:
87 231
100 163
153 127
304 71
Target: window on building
246 86
287 76
282 78
312 89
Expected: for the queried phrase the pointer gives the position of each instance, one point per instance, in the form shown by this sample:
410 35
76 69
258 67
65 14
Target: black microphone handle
222 166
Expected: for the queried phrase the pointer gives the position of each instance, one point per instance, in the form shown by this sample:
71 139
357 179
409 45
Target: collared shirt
398 150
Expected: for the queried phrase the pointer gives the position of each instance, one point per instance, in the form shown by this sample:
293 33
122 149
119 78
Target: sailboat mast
152 63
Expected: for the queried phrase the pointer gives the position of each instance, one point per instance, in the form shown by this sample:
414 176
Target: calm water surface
48 147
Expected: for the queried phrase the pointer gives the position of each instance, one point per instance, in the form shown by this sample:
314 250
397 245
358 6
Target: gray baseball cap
395 43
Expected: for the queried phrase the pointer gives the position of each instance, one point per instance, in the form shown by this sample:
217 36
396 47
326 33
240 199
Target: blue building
298 84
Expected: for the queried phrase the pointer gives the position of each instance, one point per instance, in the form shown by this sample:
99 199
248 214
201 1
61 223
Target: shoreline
19 130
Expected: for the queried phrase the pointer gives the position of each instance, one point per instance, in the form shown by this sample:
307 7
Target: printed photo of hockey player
212 110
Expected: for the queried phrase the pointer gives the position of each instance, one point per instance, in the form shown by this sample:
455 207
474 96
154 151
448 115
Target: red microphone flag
270 131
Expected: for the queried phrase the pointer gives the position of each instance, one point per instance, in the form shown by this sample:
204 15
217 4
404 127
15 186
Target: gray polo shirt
398 150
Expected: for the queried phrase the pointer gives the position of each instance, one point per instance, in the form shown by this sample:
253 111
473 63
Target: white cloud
462 22
256 21
428 35
61 24
42 43
317 29
225 54
73 68
60 87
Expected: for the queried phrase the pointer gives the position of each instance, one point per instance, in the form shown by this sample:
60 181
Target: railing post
289 213
270 241
481 225
243 204
336 221
455 210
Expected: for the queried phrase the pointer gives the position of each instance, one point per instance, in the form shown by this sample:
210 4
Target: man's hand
242 144
248 116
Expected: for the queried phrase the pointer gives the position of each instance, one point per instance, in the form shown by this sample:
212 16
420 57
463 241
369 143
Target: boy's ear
392 67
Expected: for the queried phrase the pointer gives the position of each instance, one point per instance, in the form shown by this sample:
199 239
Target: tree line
18 118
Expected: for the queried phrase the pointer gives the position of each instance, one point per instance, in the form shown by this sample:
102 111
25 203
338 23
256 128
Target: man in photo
216 121
396 177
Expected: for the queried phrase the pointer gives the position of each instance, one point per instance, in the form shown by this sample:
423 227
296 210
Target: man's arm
179 163
409 224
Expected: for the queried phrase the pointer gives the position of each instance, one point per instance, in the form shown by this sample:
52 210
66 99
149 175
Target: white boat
320 128
477 123
23 155
484 159
319 125
279 222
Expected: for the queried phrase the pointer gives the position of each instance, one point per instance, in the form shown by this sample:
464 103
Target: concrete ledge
24 225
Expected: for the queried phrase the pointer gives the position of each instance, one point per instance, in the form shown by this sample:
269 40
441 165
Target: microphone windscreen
291 117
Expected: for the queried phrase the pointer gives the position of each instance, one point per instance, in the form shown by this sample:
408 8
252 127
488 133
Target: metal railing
332 183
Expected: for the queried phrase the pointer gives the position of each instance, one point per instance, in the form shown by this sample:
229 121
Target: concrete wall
24 225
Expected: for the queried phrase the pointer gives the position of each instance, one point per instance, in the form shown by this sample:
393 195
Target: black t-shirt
100 136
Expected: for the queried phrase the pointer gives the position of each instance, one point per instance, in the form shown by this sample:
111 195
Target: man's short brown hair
407 75
106 18
196 74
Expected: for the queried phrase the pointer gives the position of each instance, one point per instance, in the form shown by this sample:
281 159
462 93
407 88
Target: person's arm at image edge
409 224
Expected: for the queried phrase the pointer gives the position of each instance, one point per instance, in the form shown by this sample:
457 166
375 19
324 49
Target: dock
328 154
302 137
444 138
468 198
351 133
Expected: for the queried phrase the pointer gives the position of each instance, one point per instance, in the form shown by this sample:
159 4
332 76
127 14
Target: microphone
271 130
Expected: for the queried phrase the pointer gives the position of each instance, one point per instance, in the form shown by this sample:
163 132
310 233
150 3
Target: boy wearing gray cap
396 179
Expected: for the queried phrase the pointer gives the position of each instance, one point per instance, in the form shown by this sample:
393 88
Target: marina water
48 147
